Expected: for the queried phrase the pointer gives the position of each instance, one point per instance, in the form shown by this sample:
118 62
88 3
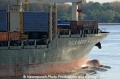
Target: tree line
104 13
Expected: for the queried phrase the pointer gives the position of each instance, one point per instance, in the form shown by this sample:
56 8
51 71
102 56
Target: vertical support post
22 43
55 19
50 22
96 31
35 43
21 21
27 7
70 33
88 31
74 11
83 34
80 33
58 32
8 44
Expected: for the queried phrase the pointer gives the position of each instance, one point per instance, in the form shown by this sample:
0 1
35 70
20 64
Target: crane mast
27 5
16 14
75 3
17 5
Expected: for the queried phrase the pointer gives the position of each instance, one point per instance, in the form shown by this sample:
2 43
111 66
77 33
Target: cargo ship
29 45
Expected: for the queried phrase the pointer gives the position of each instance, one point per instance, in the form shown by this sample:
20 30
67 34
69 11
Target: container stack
73 25
10 36
87 24
3 21
35 22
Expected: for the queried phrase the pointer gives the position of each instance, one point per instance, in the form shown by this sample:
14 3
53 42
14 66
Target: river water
110 52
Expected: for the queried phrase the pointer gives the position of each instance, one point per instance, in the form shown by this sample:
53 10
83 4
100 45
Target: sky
102 1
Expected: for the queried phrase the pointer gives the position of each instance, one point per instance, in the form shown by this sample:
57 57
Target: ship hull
63 54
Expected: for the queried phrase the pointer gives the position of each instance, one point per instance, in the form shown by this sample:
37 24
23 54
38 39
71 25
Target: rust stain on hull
42 69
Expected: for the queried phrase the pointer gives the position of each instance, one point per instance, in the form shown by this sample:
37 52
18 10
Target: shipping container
14 36
24 36
35 21
63 24
4 36
96 25
3 21
10 36
87 24
73 25
14 21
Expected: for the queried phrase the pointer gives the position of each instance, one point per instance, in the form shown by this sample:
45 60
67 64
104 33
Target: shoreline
108 23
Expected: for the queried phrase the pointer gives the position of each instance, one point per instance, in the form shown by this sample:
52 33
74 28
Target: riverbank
109 23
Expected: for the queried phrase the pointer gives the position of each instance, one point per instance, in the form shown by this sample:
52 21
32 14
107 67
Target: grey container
3 21
35 21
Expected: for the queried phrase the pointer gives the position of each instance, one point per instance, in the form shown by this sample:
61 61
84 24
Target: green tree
105 6
93 15
115 6
105 12
96 6
82 16
117 17
64 11
107 16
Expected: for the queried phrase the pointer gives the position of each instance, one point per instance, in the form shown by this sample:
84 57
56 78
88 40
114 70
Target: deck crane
74 5
17 8
27 4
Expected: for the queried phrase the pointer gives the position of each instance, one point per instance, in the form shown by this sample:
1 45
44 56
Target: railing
37 43
40 43
77 33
